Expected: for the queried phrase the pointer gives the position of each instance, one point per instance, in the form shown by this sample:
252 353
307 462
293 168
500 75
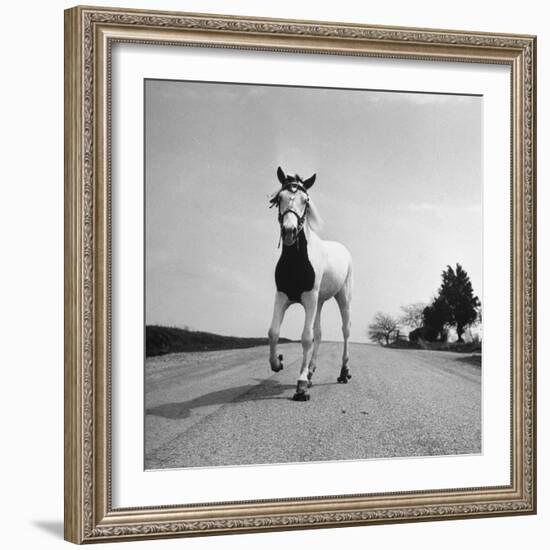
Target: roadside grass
161 340
457 347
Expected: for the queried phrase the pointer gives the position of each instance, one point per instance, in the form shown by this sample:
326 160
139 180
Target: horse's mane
313 218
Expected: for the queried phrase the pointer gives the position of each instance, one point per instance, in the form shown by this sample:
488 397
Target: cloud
443 210
423 207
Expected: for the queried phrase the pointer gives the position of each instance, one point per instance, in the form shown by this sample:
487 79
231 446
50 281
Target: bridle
292 186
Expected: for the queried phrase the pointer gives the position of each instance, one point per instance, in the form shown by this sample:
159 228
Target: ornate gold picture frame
90 34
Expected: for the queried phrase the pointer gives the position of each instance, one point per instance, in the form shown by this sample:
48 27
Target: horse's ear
281 175
310 181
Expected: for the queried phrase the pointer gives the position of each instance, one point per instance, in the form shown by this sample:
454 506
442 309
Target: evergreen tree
456 303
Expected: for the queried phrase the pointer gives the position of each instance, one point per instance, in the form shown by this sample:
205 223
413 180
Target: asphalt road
228 408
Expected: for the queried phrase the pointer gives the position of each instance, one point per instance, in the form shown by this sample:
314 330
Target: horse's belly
330 286
336 269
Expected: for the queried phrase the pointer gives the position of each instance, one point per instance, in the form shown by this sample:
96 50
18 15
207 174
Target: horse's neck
306 242
313 240
299 248
310 234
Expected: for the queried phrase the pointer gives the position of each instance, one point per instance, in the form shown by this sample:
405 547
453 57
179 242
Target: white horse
310 271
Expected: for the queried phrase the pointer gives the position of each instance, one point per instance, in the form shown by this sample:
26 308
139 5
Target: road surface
227 408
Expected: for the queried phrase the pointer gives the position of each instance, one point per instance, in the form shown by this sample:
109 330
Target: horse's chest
294 273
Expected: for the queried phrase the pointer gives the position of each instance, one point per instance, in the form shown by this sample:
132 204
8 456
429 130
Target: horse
310 271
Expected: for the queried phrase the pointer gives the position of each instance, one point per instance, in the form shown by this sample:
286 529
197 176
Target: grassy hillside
162 340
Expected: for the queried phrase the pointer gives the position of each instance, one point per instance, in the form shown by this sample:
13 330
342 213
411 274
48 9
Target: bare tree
412 315
382 328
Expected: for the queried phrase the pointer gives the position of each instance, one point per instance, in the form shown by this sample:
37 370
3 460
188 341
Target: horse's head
292 200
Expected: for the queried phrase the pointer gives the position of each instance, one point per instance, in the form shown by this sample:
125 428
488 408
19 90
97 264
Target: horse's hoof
301 391
309 383
343 378
301 396
280 366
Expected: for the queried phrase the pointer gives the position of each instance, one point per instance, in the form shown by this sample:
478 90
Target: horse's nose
290 232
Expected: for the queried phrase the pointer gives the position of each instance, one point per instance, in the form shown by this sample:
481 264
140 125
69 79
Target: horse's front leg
309 301
281 305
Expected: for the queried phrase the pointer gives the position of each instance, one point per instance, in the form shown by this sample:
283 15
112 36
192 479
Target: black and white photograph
313 274
300 254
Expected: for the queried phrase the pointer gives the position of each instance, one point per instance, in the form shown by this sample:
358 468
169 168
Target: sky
399 183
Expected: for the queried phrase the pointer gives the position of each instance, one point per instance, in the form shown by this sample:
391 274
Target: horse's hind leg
343 298
316 343
281 305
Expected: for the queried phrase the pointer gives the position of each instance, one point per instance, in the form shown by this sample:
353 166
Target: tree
412 315
382 328
434 319
456 305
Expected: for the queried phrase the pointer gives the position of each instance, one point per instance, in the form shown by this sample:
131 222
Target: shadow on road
267 389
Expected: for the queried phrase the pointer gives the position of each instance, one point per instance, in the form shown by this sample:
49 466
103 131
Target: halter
293 186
